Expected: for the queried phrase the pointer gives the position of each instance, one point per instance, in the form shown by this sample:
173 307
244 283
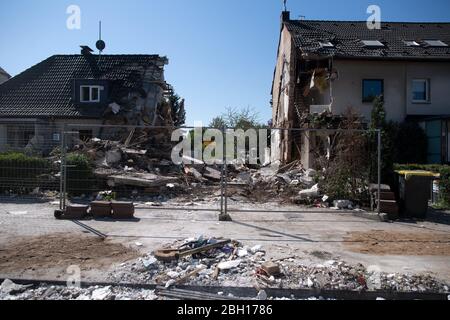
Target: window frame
91 87
362 87
427 91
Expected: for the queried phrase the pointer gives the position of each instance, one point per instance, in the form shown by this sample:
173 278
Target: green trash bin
415 192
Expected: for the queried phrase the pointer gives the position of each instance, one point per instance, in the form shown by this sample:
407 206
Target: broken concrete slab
146 180
212 174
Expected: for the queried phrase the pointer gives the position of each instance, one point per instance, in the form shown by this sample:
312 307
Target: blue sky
222 52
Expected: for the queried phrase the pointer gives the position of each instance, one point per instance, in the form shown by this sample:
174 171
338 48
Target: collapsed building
87 90
326 67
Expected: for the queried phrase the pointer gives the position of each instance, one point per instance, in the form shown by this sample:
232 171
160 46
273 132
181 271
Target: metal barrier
29 161
85 162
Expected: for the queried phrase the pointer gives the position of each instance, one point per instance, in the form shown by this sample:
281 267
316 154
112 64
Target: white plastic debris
310 193
138 244
242 253
343 204
227 265
170 283
101 293
256 248
310 283
262 295
173 274
170 185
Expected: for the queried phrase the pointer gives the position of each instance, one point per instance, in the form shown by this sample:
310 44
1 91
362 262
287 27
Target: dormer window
372 44
326 44
90 94
435 43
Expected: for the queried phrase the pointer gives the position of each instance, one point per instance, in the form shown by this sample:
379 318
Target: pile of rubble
236 265
12 291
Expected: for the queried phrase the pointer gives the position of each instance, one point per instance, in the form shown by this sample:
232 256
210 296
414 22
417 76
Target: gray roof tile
45 90
347 36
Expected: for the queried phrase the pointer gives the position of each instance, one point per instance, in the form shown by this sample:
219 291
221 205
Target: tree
244 118
388 132
178 111
218 122
411 144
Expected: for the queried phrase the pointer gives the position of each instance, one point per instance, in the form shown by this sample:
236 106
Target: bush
404 142
20 173
444 181
411 143
79 174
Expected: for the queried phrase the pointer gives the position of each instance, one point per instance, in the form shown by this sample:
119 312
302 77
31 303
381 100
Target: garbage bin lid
418 173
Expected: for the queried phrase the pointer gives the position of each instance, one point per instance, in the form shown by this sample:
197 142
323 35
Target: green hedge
20 173
79 174
444 181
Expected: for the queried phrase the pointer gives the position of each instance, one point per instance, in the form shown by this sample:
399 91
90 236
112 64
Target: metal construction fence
188 168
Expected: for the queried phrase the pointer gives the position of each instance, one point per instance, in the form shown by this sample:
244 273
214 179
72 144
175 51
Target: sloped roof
45 90
346 36
2 71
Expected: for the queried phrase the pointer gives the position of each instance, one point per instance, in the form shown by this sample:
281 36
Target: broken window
412 43
90 93
326 44
421 90
372 88
85 135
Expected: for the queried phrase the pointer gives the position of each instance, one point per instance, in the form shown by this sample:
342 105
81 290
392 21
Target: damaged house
4 76
82 89
330 66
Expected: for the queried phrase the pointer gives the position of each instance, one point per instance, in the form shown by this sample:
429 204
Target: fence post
222 174
62 183
379 172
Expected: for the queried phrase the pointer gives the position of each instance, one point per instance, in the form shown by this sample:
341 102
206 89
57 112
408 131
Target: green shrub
444 181
411 143
20 173
79 174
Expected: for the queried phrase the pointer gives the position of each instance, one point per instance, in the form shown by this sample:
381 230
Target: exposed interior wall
283 96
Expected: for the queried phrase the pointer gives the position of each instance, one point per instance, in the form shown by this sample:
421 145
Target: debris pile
12 291
236 265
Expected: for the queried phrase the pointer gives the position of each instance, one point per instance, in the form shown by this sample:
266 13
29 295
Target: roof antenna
100 44
285 5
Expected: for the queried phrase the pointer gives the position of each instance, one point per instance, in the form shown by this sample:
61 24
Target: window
372 43
412 43
435 43
90 93
421 90
372 89
326 44
85 135
56 137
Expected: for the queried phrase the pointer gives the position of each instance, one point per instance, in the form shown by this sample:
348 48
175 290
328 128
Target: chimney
86 51
285 16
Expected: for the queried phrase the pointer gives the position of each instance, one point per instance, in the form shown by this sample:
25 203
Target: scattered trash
343 204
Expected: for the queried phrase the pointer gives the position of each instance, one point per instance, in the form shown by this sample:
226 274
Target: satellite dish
100 45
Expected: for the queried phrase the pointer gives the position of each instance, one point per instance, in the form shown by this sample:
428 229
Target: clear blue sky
222 52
